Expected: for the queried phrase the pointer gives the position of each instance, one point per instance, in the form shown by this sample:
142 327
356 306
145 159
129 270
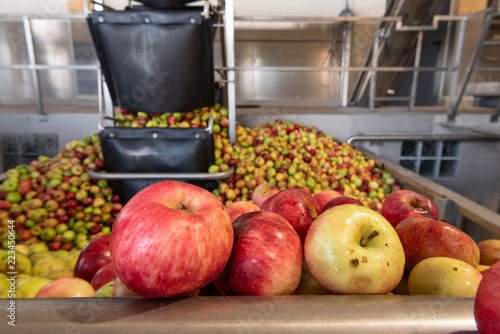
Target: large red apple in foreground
170 239
402 204
424 237
487 302
66 287
238 208
325 196
296 206
267 257
351 249
93 256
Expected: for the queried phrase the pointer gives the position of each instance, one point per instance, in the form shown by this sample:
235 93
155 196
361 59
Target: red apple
104 275
266 259
93 256
238 208
424 237
340 201
351 249
66 287
170 239
325 196
402 204
489 251
262 192
296 206
487 302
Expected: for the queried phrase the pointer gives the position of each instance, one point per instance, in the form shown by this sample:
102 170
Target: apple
22 264
402 204
340 201
45 266
170 239
93 256
238 208
487 301
308 285
296 206
266 259
119 289
263 192
482 268
444 276
351 249
325 196
105 290
30 286
104 275
66 287
489 251
424 237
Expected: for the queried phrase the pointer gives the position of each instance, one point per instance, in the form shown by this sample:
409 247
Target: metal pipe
246 314
335 68
414 82
484 33
445 58
454 75
461 137
165 176
231 89
49 67
373 73
494 117
32 62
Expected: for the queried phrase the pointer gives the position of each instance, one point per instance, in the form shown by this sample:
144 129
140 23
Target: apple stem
364 241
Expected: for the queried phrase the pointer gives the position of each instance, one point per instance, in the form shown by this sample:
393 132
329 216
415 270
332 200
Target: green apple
22 248
45 266
29 287
58 273
71 259
38 247
351 249
4 284
3 254
444 276
22 277
105 290
60 254
35 257
22 264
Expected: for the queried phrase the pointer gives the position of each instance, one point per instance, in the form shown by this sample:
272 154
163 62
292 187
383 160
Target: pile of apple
290 155
55 201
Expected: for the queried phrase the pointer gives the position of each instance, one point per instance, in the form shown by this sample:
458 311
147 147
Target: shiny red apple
104 275
170 239
487 302
266 259
298 207
402 204
325 196
263 192
238 208
93 256
340 201
424 237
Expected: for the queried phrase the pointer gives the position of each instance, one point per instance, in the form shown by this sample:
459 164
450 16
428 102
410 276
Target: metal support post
418 53
373 72
33 71
484 33
229 45
454 73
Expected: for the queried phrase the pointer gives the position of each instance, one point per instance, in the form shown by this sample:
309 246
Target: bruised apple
351 249
298 207
402 204
238 208
424 237
170 239
266 259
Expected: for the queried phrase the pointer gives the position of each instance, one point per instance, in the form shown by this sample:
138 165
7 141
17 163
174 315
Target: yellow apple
29 287
444 276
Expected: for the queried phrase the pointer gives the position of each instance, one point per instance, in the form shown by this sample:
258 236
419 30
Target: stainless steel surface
246 314
230 62
485 131
418 54
166 176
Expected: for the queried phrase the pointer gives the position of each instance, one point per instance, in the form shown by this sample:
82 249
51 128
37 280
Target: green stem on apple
367 239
